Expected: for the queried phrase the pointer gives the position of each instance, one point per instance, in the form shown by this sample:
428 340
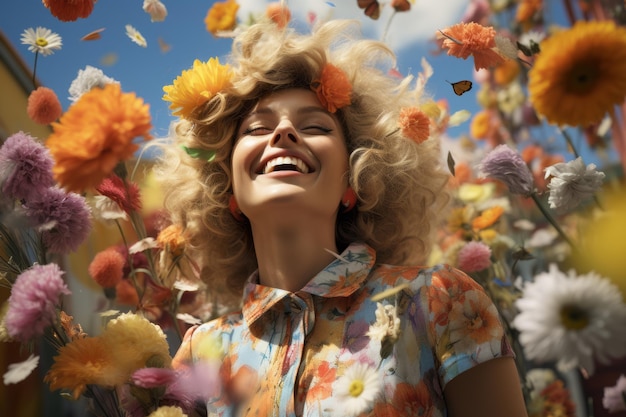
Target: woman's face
290 154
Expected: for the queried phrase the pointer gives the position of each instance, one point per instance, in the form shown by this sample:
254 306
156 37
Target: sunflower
69 10
83 362
196 86
95 134
580 73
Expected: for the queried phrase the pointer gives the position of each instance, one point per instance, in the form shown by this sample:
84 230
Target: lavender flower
62 218
506 165
571 183
33 299
614 398
25 167
87 79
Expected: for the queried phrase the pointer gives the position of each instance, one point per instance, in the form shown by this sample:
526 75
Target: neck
290 254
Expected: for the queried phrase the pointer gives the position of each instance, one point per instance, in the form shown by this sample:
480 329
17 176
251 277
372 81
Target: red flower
125 194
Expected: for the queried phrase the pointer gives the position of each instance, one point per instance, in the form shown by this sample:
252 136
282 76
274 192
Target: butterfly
461 87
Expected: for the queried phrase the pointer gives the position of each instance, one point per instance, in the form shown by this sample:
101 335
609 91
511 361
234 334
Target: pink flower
613 399
32 304
474 257
153 377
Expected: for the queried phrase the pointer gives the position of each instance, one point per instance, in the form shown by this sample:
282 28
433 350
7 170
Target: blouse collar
340 278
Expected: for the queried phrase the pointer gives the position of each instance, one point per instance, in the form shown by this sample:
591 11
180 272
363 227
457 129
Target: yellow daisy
196 86
580 73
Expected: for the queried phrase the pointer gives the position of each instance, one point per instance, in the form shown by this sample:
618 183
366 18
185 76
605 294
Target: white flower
107 210
19 371
542 238
358 389
135 36
571 183
168 411
387 325
531 37
142 245
41 40
155 9
614 398
87 79
510 98
573 320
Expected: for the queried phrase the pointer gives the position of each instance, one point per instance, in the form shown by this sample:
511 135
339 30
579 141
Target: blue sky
146 70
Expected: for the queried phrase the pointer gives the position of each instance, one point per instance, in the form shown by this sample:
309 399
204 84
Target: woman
300 190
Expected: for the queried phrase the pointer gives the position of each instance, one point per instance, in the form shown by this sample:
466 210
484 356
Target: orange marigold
44 106
95 134
107 268
278 13
465 39
221 16
172 239
69 10
333 88
487 218
415 124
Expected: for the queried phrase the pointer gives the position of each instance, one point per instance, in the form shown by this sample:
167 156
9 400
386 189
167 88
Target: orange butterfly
92 36
461 87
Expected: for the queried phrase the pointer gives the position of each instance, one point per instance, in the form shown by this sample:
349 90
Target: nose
284 133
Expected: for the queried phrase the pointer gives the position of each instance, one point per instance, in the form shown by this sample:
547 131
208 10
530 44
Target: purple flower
614 397
63 218
32 304
506 165
25 167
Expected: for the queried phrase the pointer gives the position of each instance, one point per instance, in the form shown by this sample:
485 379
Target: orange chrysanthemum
506 72
172 239
278 13
487 218
95 134
44 106
527 9
415 124
69 10
580 73
107 268
196 86
465 39
221 16
333 88
82 362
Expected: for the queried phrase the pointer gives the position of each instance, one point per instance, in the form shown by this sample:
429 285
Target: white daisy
571 183
387 325
155 9
41 40
106 210
19 371
358 389
88 78
135 36
573 320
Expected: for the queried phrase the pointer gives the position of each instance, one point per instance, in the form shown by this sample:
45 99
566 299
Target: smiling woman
311 217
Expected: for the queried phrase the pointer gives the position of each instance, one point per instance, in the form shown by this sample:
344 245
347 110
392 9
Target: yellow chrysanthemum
196 86
83 362
222 16
95 134
136 340
580 73
168 411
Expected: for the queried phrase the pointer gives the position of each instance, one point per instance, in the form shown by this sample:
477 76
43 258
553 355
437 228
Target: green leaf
199 153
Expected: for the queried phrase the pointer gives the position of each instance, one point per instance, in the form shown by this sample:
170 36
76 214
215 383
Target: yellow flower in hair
196 86
333 88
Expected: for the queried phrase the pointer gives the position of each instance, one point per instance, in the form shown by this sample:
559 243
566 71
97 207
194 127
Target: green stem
552 220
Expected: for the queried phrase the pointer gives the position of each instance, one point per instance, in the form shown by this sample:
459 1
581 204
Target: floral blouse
330 350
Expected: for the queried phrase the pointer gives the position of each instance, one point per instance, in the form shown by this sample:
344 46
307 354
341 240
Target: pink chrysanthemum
63 219
474 257
107 268
32 304
25 167
153 377
44 106
124 193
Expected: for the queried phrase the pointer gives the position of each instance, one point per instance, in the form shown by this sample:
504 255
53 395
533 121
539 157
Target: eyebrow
301 110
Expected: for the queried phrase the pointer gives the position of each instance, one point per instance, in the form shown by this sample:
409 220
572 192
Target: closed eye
257 131
317 129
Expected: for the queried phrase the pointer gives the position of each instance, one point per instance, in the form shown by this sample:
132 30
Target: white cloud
418 25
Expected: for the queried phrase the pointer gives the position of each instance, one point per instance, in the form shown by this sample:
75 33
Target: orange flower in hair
278 13
415 124
333 88
465 39
172 239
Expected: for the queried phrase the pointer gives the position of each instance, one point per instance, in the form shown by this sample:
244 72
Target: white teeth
286 160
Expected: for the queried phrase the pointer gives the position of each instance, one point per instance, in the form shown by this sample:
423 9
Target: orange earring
233 207
348 200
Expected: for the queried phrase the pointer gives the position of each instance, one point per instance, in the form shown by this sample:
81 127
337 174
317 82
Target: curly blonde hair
400 184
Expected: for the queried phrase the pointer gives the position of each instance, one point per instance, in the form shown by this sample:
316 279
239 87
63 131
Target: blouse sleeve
464 324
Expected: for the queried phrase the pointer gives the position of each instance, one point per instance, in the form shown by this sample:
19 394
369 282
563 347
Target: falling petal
92 36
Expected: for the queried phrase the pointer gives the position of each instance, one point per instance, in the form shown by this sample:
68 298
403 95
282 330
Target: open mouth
286 163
